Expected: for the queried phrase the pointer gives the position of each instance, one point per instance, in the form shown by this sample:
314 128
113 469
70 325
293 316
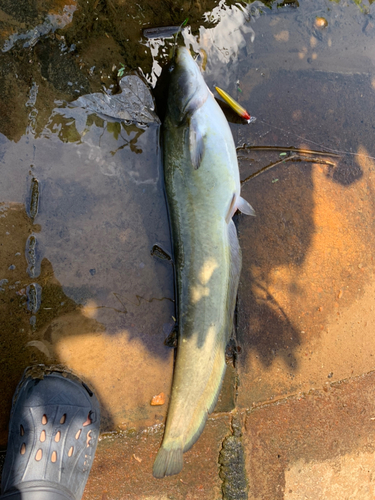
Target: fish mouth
183 57
191 90
188 81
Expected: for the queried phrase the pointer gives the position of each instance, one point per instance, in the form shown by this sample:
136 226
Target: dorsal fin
238 203
245 207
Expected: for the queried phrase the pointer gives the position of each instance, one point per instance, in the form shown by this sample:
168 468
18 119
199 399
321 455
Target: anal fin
234 274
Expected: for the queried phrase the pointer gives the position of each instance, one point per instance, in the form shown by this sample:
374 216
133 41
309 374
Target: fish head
188 90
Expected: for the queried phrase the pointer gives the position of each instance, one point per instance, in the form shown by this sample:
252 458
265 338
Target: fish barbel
203 191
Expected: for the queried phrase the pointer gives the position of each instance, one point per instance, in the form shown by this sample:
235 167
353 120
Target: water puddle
85 285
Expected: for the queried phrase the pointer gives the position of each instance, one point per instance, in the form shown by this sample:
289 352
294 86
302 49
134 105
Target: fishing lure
235 106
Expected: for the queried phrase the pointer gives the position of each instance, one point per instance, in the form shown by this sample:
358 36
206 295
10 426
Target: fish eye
194 55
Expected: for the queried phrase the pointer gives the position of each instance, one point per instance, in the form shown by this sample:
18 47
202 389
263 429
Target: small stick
290 158
288 149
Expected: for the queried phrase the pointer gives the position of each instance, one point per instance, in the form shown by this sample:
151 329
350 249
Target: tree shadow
276 242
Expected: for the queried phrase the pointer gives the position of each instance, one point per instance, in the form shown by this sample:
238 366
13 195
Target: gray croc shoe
53 434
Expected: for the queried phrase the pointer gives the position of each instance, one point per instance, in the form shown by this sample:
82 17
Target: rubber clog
53 434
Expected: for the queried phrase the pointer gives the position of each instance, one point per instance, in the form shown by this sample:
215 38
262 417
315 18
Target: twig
288 149
284 160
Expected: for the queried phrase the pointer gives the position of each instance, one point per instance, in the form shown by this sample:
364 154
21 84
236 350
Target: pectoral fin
245 207
196 143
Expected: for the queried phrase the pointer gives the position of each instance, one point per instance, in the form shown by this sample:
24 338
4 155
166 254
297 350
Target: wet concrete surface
81 207
308 264
89 251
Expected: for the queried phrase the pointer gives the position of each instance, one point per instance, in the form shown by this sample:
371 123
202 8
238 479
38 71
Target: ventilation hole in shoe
89 419
23 449
39 455
42 436
44 419
62 419
88 439
53 457
58 436
70 452
22 430
78 433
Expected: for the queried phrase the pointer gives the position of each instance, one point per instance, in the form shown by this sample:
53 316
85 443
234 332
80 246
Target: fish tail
168 461
208 399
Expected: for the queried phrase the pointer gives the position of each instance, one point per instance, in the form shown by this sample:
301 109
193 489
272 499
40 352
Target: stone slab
123 467
319 445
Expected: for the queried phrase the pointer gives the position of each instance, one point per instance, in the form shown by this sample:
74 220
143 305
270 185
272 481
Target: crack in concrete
232 470
304 394
232 463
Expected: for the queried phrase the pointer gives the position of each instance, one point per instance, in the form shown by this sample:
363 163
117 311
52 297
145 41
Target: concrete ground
81 208
303 421
315 445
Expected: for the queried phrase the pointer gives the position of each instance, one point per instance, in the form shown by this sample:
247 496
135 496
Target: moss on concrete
232 465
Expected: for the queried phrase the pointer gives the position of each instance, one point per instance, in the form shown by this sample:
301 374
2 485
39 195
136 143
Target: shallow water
81 195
